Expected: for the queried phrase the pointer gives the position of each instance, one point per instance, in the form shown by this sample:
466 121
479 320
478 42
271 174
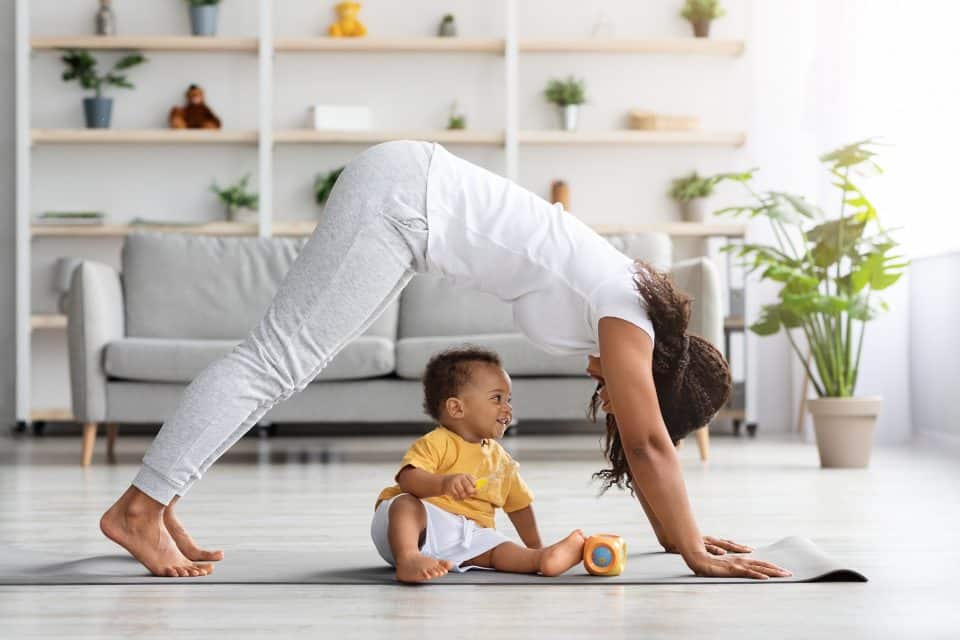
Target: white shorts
448 537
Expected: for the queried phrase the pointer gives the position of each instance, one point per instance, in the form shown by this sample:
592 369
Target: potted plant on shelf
567 94
448 26
828 270
241 204
203 17
82 67
691 193
700 13
323 184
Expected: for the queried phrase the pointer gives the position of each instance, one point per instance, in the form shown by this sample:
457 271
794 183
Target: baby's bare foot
560 557
141 532
184 541
419 568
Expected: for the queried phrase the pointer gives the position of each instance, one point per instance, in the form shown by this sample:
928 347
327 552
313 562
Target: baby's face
486 402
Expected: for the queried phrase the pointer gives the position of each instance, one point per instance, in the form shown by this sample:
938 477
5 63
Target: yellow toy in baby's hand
347 24
605 554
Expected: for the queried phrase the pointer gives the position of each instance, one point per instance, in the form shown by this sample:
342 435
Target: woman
405 207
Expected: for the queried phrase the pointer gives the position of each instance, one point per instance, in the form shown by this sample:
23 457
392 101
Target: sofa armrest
95 317
699 278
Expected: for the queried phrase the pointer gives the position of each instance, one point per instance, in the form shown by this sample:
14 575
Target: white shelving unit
266 47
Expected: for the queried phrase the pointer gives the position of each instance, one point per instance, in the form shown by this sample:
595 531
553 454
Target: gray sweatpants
370 241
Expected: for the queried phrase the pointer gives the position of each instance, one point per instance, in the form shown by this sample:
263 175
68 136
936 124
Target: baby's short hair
448 372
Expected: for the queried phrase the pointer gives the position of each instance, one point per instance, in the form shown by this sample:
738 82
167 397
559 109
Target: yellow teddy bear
347 24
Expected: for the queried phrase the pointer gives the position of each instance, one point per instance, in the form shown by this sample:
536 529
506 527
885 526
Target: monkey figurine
195 114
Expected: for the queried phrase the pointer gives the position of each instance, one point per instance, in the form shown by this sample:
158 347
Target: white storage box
340 118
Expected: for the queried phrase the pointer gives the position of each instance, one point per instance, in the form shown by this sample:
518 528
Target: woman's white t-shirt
561 277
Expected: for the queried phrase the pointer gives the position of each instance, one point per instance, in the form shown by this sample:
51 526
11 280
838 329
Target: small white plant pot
695 210
569 114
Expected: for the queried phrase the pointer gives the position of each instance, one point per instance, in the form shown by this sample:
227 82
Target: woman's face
595 371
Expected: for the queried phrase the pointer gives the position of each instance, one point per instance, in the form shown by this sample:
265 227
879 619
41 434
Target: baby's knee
406 505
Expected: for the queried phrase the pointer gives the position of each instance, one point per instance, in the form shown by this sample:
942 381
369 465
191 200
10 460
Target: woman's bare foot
560 557
183 540
419 568
135 522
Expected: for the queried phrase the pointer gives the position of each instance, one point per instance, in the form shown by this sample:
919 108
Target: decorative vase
203 20
569 113
97 112
844 428
694 210
106 21
448 27
701 28
243 215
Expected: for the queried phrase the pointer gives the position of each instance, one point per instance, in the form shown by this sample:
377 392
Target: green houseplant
323 184
700 13
203 17
82 67
240 202
568 95
828 270
690 193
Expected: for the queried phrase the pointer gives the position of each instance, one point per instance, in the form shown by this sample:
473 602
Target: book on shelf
70 218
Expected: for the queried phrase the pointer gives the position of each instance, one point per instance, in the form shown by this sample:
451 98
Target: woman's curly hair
691 375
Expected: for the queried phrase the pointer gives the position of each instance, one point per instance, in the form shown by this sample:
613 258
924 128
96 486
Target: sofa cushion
431 306
653 247
199 287
167 360
519 356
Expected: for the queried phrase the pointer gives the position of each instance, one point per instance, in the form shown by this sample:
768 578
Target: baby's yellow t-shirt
444 452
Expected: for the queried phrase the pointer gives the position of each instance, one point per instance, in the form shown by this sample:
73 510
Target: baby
440 514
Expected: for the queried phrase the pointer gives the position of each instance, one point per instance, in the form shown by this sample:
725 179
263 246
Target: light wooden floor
898 522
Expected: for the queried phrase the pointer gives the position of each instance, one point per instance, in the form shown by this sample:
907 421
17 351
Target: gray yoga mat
24 566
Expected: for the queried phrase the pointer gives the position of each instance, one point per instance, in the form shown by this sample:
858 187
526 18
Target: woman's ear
453 407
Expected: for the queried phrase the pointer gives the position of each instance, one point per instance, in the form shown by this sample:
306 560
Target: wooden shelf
632 137
734 323
147 43
684 46
39 321
120 230
405 45
698 46
52 415
678 229
457 136
142 136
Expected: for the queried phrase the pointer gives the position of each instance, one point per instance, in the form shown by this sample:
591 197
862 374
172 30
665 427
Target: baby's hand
459 486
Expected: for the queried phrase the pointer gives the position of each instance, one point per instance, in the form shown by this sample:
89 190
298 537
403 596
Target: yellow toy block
605 554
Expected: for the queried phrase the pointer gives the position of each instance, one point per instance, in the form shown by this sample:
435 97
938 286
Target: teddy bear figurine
347 24
195 114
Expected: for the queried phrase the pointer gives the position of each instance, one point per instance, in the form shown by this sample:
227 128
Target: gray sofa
137 338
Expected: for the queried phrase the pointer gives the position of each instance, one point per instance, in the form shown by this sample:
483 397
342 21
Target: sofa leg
111 442
89 438
703 443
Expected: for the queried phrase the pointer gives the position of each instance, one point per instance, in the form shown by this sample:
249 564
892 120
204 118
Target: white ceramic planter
695 210
844 428
570 113
242 215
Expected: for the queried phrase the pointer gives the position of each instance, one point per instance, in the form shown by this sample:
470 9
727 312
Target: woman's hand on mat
459 486
720 546
715 546
706 565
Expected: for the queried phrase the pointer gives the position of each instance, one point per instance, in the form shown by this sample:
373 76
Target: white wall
788 91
